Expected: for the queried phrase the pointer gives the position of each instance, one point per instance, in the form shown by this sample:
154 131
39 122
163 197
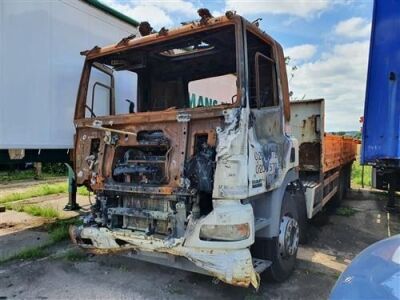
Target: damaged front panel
154 193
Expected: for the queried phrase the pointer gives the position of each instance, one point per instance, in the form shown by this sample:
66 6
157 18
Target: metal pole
362 176
72 205
390 206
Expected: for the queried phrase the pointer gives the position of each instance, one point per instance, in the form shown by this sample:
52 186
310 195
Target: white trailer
40 67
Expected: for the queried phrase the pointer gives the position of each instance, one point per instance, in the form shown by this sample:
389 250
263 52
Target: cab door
267 140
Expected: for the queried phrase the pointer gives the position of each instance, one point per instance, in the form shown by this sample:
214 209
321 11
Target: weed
59 234
37 211
42 190
31 253
356 174
59 230
37 191
55 169
17 175
83 191
345 211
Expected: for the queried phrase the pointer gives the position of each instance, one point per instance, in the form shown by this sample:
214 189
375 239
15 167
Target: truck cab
181 136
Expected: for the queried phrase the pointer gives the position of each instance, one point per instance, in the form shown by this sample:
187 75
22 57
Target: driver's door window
266 94
99 95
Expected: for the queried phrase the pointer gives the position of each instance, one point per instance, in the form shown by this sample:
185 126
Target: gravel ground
334 242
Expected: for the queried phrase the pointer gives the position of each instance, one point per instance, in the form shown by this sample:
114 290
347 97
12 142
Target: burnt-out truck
222 186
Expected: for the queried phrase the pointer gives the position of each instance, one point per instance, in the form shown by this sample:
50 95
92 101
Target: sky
327 41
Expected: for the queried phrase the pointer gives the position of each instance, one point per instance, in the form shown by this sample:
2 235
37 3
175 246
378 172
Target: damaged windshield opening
186 72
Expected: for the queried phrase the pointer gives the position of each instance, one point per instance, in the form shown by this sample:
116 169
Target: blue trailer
381 128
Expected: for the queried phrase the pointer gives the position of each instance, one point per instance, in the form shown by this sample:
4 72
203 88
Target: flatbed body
324 159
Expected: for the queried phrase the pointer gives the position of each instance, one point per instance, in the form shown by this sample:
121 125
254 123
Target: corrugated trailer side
40 67
381 138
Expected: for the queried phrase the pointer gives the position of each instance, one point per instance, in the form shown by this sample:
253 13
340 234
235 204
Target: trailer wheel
283 249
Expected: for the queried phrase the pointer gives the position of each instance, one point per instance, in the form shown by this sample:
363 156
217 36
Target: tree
291 70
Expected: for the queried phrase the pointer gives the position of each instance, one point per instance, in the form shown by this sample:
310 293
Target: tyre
281 250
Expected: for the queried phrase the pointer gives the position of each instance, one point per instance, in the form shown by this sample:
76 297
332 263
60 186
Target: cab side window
110 92
265 81
262 73
99 96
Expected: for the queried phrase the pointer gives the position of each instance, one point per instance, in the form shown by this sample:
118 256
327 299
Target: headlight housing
225 233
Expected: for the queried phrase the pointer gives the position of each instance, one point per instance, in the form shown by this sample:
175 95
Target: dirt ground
334 241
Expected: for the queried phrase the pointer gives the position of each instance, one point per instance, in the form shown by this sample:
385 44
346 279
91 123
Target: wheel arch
268 205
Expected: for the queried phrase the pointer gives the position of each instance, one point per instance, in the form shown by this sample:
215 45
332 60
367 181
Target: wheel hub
288 236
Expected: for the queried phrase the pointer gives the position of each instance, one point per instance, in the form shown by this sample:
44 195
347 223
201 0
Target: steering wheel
90 110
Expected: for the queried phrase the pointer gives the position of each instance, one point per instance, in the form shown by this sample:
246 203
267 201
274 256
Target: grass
345 211
356 174
37 191
49 170
16 175
59 234
83 191
31 253
37 211
41 190
59 230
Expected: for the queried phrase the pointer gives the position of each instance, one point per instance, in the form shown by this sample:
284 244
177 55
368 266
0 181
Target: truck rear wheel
283 249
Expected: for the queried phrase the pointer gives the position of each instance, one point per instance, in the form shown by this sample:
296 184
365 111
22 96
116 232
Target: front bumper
230 261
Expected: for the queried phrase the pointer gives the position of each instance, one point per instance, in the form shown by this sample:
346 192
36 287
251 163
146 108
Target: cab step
260 265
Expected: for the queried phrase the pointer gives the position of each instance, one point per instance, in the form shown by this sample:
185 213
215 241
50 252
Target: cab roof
166 34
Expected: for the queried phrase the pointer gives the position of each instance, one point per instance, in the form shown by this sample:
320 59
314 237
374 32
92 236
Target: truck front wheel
282 250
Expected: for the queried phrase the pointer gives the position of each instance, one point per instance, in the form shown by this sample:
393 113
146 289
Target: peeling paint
228 134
